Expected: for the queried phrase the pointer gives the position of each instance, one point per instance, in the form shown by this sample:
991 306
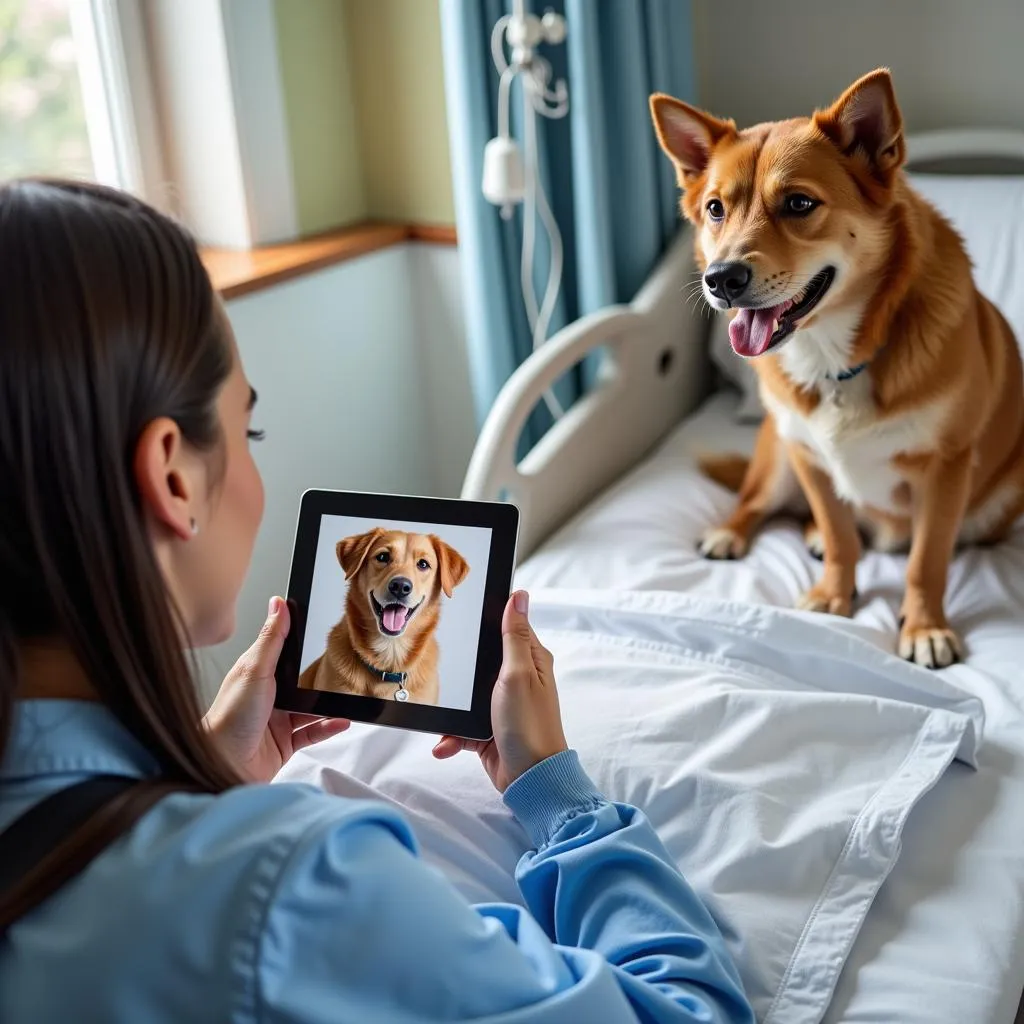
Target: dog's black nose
400 587
728 280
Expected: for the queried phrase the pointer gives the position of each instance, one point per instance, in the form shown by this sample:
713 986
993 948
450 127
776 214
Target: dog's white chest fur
845 433
849 441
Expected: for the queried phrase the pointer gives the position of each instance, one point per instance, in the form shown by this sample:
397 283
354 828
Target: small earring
194 526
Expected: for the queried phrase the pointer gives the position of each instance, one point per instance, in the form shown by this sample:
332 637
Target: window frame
117 94
219 157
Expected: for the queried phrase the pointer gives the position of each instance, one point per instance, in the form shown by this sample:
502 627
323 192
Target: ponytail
108 322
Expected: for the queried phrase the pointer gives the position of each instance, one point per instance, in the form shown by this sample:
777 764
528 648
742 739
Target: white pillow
987 211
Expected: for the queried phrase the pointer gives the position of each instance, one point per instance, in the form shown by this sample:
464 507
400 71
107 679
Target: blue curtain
611 190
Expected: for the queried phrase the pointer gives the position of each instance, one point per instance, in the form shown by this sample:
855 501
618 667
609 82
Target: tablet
396 607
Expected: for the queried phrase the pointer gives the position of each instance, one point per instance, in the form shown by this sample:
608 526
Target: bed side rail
654 372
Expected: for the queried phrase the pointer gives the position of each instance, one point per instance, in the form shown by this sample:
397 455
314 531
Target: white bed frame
655 372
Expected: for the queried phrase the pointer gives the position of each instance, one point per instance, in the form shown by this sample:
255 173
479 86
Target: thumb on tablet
515 622
260 661
520 642
517 637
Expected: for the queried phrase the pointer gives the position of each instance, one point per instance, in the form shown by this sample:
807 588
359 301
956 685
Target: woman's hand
256 737
525 716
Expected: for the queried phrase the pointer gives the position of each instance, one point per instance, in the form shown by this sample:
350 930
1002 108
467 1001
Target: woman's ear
164 479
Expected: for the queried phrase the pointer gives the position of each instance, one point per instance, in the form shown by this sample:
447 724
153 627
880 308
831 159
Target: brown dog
893 387
384 646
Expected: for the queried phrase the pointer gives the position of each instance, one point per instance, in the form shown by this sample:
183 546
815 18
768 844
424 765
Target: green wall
398 76
363 87
326 162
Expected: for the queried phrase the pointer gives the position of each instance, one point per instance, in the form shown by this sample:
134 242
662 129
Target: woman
129 503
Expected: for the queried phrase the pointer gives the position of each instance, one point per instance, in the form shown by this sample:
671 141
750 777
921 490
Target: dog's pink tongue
750 330
394 617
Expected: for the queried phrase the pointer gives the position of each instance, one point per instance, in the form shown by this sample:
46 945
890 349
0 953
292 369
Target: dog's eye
384 557
423 565
716 211
799 205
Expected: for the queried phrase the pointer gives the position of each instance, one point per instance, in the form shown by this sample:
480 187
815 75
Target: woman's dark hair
108 321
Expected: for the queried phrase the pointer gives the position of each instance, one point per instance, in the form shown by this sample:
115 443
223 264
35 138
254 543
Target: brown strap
124 803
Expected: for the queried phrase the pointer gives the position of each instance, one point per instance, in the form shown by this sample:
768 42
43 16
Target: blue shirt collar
72 737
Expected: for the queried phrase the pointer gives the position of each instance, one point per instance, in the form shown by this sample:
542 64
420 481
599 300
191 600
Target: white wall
441 340
363 385
955 62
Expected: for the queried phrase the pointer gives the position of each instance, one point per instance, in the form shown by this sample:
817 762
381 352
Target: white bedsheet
778 756
944 941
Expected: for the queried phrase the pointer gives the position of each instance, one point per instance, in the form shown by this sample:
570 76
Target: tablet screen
395 609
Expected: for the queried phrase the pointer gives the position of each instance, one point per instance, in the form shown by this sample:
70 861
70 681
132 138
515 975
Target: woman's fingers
300 720
449 746
305 734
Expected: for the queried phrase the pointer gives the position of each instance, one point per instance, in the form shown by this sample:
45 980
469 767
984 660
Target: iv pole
512 176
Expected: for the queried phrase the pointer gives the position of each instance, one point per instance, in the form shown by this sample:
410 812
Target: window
79 85
42 119
66 104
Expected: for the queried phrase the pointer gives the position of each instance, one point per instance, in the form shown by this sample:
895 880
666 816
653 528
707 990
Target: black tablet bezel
501 518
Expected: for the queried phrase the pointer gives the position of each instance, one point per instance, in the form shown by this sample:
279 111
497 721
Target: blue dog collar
397 678
849 374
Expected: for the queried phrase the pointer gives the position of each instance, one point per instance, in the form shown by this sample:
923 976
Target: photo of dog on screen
384 643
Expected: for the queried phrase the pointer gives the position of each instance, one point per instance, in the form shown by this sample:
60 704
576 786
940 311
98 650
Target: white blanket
777 756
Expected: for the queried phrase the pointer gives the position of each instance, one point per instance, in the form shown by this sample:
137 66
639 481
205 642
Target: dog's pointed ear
867 118
686 134
352 551
453 568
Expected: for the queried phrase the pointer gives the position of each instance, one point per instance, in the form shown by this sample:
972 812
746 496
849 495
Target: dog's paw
814 542
818 599
930 646
722 544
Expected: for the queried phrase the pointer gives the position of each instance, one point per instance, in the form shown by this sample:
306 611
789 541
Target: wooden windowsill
241 272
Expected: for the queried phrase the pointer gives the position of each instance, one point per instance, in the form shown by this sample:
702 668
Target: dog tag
401 694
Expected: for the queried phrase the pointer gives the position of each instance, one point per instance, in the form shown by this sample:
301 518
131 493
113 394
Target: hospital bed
855 824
